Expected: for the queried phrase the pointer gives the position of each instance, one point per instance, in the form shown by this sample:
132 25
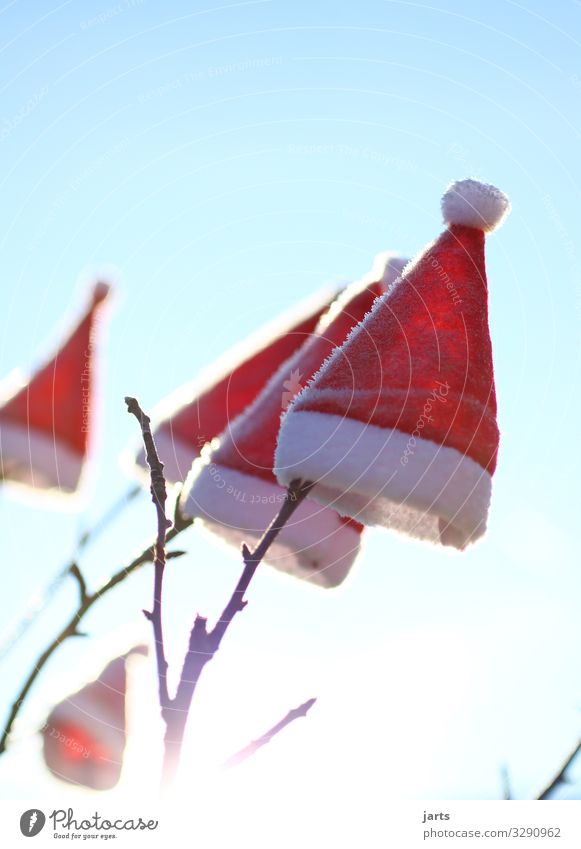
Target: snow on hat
84 735
199 411
399 427
45 424
233 489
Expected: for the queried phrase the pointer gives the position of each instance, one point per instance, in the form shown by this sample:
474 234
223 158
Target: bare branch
253 746
505 780
71 630
204 644
560 777
159 497
297 492
88 536
76 573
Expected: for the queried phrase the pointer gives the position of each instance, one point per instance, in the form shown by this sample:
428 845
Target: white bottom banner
295 824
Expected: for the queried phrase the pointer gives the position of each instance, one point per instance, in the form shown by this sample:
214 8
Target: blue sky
224 162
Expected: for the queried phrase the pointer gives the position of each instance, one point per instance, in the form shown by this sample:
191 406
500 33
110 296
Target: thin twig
255 745
560 776
92 533
71 628
505 779
296 493
88 536
76 573
159 497
204 644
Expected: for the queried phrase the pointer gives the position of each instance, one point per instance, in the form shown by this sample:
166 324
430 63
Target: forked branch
203 643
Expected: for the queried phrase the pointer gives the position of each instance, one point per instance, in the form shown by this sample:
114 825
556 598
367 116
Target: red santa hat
196 413
45 424
399 426
233 489
84 735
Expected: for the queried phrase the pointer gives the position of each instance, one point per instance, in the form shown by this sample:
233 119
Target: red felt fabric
84 736
58 399
207 414
250 444
430 334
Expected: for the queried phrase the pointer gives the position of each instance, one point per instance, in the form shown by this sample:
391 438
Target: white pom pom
475 204
387 267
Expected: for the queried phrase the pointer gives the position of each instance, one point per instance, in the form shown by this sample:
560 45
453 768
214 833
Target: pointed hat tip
475 204
101 291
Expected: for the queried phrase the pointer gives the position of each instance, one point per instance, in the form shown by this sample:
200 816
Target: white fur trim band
385 477
314 545
30 457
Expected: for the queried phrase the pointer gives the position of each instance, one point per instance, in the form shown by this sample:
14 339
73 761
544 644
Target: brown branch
204 644
71 628
254 745
560 776
80 578
87 537
159 497
296 493
86 602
